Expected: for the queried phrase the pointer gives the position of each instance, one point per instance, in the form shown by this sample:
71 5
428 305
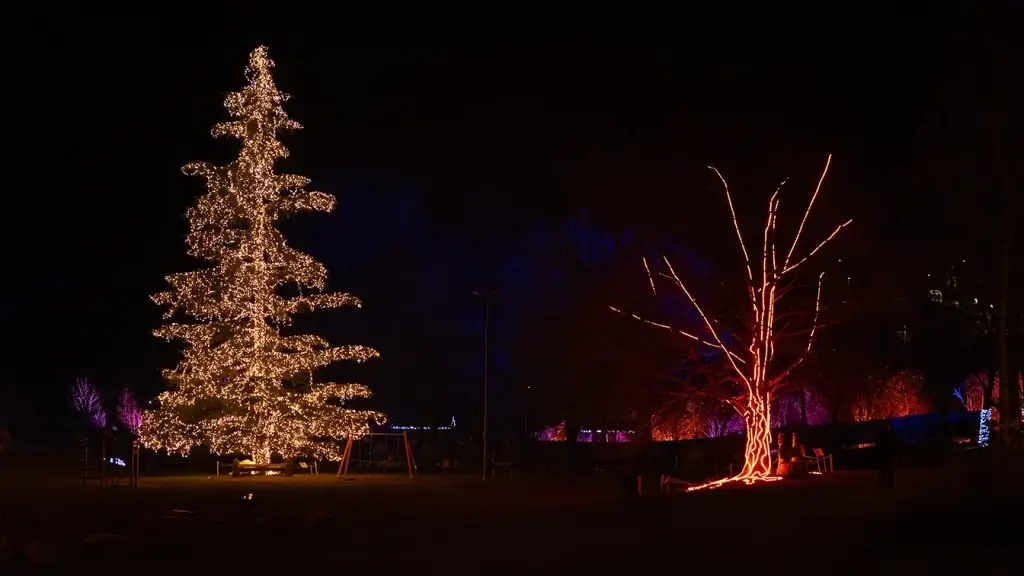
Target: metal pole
486 295
487 330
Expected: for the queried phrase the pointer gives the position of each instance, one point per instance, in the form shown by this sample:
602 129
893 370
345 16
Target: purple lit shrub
554 433
128 412
724 424
787 411
86 400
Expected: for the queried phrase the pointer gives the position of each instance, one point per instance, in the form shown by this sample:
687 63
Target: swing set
380 463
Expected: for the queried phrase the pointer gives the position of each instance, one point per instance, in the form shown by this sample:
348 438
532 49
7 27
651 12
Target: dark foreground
939 519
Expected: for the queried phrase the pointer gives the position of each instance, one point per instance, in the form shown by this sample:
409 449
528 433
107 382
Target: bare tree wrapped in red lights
755 373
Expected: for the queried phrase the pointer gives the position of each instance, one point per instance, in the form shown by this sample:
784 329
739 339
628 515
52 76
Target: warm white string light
228 391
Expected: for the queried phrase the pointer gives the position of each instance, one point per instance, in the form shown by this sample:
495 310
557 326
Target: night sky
492 125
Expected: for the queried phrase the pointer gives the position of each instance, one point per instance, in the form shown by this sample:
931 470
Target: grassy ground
839 523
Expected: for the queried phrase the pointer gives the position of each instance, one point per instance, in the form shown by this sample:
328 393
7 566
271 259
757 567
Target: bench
237 468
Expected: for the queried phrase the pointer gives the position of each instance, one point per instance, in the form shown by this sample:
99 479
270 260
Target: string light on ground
755 368
243 386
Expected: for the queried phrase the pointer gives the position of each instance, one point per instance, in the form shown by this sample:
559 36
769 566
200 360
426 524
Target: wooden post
83 445
346 456
410 462
103 462
135 463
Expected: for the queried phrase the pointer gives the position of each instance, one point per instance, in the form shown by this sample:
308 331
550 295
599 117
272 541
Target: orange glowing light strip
722 482
649 277
735 224
659 325
817 311
667 327
819 246
728 353
807 213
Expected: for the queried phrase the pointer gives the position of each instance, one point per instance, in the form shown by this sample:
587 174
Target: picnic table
238 467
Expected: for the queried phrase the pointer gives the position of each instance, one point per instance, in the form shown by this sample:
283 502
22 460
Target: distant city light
448 427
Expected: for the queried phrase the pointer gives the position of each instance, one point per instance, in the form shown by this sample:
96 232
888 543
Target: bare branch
736 225
735 401
672 329
817 312
780 378
732 357
819 246
649 277
807 213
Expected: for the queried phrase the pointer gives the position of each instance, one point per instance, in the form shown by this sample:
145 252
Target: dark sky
491 117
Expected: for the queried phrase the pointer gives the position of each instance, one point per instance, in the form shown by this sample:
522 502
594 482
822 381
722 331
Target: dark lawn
830 524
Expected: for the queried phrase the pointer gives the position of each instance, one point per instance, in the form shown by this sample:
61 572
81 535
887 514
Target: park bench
238 468
817 463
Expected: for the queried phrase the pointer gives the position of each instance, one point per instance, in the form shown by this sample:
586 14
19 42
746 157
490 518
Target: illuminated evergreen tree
235 389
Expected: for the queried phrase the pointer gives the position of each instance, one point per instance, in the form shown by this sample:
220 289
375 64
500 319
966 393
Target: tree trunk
572 431
757 458
642 436
261 453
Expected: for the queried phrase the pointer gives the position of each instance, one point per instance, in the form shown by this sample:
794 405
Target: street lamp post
486 295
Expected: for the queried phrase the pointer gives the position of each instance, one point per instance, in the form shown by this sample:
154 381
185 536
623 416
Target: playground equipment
106 468
365 457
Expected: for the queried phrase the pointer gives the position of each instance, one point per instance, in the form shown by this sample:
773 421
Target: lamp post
487 295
